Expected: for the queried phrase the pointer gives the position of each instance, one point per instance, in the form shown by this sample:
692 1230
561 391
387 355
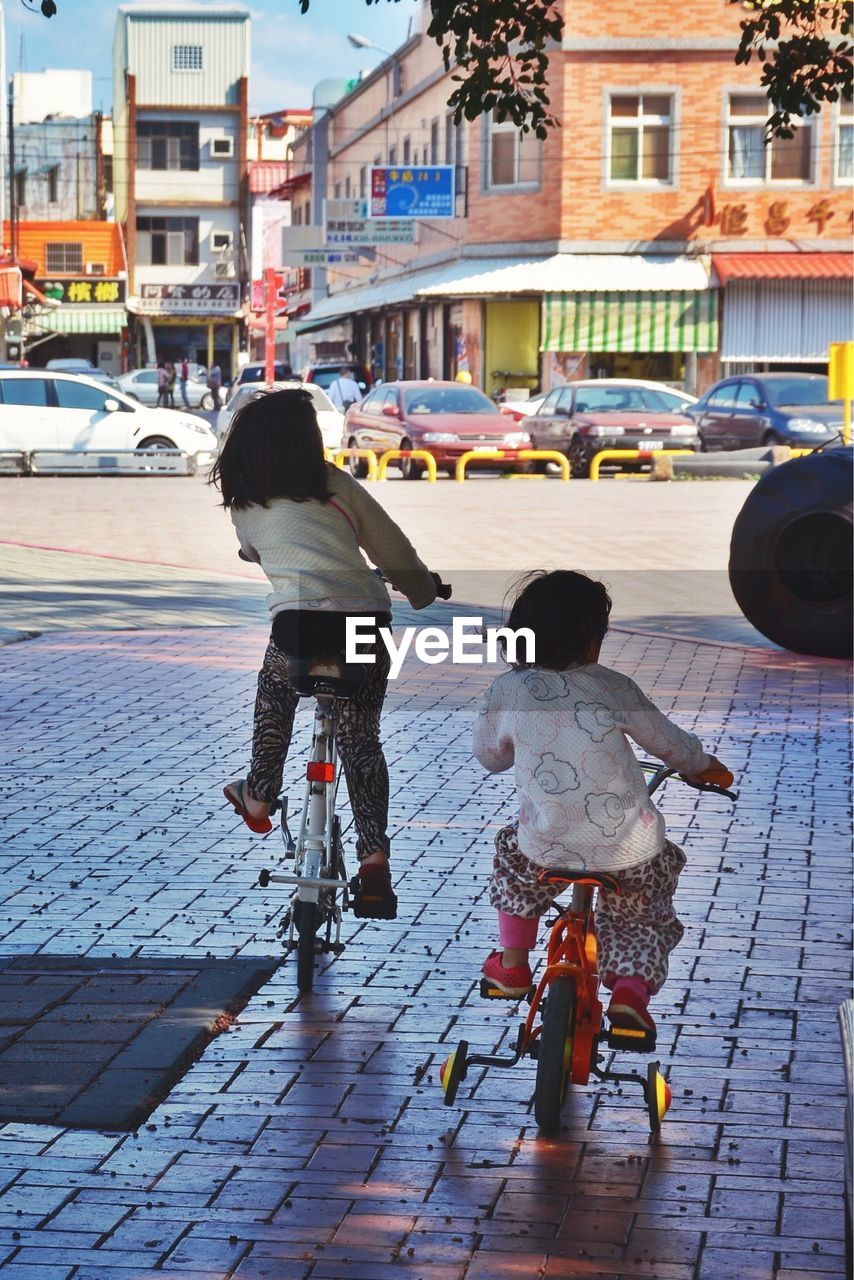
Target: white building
38 95
180 170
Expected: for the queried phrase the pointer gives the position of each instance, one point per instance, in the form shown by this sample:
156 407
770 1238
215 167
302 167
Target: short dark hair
567 612
273 449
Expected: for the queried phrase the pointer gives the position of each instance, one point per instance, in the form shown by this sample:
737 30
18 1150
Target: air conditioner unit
96 268
222 147
223 270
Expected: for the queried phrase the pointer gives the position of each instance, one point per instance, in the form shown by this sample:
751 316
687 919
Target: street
310 1139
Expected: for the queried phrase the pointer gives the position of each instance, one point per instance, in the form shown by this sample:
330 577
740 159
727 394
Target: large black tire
409 468
790 556
554 1054
307 931
358 467
157 442
579 460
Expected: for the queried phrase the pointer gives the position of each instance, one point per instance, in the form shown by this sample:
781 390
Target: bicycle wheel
554 1054
307 929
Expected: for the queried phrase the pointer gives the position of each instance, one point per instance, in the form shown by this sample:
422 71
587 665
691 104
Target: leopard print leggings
358 738
636 928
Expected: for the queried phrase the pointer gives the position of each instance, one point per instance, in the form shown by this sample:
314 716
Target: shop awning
783 266
785 321
81 320
494 277
631 321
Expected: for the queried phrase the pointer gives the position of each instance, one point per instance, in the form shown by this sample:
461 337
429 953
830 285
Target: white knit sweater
583 802
312 551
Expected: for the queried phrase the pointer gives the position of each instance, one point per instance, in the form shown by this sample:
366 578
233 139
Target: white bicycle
322 891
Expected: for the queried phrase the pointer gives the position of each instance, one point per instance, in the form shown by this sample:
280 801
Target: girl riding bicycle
563 722
306 523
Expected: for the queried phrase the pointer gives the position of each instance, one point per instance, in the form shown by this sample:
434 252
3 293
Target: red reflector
319 771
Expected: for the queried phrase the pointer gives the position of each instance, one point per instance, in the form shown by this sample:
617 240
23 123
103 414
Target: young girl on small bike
563 722
306 523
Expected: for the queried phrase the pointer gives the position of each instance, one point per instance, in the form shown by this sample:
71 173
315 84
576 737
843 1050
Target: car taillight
320 771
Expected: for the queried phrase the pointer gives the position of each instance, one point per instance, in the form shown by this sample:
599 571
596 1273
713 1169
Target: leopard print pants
636 928
358 737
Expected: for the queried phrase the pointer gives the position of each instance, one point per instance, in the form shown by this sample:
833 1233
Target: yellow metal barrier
623 454
465 458
370 454
522 455
429 462
548 455
801 453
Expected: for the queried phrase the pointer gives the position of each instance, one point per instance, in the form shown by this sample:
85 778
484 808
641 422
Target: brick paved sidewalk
311 1140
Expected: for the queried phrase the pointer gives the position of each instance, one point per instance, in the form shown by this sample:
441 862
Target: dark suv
767 408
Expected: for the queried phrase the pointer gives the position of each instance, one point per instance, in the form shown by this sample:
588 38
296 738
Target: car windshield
448 400
620 400
794 391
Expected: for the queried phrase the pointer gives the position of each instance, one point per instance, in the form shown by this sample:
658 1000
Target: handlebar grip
717 778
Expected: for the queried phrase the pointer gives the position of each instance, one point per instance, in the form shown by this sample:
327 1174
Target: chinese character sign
84 292
412 191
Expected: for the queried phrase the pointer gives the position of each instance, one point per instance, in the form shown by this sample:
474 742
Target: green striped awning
81 320
683 320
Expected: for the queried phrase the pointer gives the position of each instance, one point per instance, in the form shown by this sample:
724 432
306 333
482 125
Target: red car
447 419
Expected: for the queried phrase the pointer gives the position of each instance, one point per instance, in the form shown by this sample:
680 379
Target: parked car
325 374
329 419
43 409
519 409
676 399
257 372
582 418
765 409
445 418
141 385
72 364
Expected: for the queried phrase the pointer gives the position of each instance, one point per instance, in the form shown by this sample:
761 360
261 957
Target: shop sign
84 292
413 191
188 299
320 258
348 222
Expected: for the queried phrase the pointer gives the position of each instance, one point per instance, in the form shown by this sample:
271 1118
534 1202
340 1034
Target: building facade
181 177
59 170
652 235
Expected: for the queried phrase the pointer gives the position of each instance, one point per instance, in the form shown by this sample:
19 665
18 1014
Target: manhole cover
97 1043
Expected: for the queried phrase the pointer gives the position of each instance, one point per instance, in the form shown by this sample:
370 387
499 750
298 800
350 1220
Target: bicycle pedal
631 1040
489 991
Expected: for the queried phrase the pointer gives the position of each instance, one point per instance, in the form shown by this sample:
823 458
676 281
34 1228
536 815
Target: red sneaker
514 983
628 1011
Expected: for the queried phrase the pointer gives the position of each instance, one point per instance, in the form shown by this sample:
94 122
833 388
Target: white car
329 419
676 399
40 409
141 385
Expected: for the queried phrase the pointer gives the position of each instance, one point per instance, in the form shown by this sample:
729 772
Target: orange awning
10 287
783 266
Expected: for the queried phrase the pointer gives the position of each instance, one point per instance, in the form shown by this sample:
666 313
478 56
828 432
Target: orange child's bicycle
564 1029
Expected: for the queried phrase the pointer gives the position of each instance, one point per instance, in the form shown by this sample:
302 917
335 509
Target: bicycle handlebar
661 773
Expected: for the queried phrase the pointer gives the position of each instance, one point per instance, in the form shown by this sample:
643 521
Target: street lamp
362 42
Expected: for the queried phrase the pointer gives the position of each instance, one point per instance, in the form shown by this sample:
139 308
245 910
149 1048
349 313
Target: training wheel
453 1070
658 1097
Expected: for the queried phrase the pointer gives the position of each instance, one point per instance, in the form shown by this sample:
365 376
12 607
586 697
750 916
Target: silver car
141 385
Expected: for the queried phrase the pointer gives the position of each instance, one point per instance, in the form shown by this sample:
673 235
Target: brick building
652 235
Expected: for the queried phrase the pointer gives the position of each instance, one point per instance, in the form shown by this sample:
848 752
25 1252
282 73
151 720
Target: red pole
270 300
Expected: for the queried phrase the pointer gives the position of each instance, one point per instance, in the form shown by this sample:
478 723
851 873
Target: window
220 241
167 144
548 405
64 258
20 187
186 57
749 160
222 147
172 242
747 395
513 156
76 395
348 188
28 391
639 137
397 80
53 184
363 182
845 143
337 190
722 397
392 157
434 142
407 151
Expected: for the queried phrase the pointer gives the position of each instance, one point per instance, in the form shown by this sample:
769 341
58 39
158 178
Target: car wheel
157 442
358 467
789 561
409 468
537 466
579 460
770 439
206 402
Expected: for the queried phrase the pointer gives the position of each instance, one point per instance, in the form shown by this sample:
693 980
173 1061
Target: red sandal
235 794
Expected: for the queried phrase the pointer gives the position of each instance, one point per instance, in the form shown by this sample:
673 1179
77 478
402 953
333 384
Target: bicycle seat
596 879
325 675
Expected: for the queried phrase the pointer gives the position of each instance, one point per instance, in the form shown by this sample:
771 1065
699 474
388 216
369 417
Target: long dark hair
567 612
273 449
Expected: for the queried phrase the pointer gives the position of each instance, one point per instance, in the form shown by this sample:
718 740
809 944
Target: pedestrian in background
344 391
183 380
162 384
215 385
171 377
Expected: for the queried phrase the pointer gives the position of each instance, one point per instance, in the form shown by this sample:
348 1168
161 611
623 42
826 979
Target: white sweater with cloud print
583 802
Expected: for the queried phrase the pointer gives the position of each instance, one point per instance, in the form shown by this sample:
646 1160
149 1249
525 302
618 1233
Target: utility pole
13 228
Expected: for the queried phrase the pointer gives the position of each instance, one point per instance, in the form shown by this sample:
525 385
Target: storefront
89 321
783 309
201 321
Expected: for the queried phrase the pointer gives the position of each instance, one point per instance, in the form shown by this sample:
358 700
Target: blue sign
413 191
